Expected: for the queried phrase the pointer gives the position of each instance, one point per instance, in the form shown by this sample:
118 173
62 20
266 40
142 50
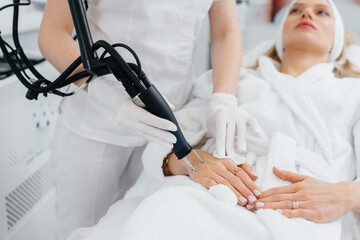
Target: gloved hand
130 117
224 119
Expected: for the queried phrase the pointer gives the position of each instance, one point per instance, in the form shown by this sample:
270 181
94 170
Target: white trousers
89 177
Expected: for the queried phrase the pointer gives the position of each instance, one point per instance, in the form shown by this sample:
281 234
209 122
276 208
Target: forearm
226 62
55 37
59 49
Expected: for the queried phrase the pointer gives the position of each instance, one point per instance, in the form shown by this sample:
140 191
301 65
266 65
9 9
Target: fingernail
250 206
256 192
279 211
251 199
254 173
260 204
242 199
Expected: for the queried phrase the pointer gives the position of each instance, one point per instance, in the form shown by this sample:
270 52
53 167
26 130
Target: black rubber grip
156 104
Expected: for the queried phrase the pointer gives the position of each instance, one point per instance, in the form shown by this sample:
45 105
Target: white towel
182 209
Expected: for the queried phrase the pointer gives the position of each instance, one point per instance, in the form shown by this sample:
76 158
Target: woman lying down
296 178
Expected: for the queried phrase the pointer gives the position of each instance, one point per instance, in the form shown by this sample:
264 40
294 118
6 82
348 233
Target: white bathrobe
312 127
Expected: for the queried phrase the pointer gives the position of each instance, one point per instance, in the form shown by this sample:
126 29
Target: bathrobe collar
311 75
293 94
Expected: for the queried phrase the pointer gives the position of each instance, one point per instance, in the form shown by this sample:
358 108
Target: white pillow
250 57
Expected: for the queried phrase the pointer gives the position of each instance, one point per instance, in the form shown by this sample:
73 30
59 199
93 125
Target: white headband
338 38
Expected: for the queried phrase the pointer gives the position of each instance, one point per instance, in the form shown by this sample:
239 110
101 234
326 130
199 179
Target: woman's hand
219 171
314 200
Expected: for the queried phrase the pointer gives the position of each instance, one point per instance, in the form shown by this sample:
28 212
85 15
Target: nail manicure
279 211
242 199
251 199
256 192
254 173
260 204
250 206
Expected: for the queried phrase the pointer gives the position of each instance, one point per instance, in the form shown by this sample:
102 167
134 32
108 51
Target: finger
254 125
257 129
280 198
241 131
206 182
220 138
220 180
249 183
292 188
285 204
250 207
237 183
243 175
299 213
230 136
289 176
240 198
156 140
249 170
209 173
150 119
158 133
144 130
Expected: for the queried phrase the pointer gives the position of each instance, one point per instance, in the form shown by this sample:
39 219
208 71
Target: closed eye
295 10
323 13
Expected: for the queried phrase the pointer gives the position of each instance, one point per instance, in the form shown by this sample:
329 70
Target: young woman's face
309 26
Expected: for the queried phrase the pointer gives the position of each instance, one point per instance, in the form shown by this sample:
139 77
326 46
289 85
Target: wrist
226 99
176 167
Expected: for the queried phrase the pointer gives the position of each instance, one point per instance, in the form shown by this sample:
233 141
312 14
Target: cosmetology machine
26 191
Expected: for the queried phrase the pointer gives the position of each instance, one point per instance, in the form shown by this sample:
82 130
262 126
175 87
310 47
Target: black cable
130 50
36 87
121 62
134 77
15 4
19 63
18 45
9 46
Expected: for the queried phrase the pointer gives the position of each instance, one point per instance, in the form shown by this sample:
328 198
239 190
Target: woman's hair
343 67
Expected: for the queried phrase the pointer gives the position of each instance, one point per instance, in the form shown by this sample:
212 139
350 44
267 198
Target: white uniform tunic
163 33
95 160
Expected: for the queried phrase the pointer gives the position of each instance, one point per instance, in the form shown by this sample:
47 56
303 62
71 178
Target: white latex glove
224 119
130 117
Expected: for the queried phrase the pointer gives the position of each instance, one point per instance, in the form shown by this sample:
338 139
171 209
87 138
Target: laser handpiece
153 102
